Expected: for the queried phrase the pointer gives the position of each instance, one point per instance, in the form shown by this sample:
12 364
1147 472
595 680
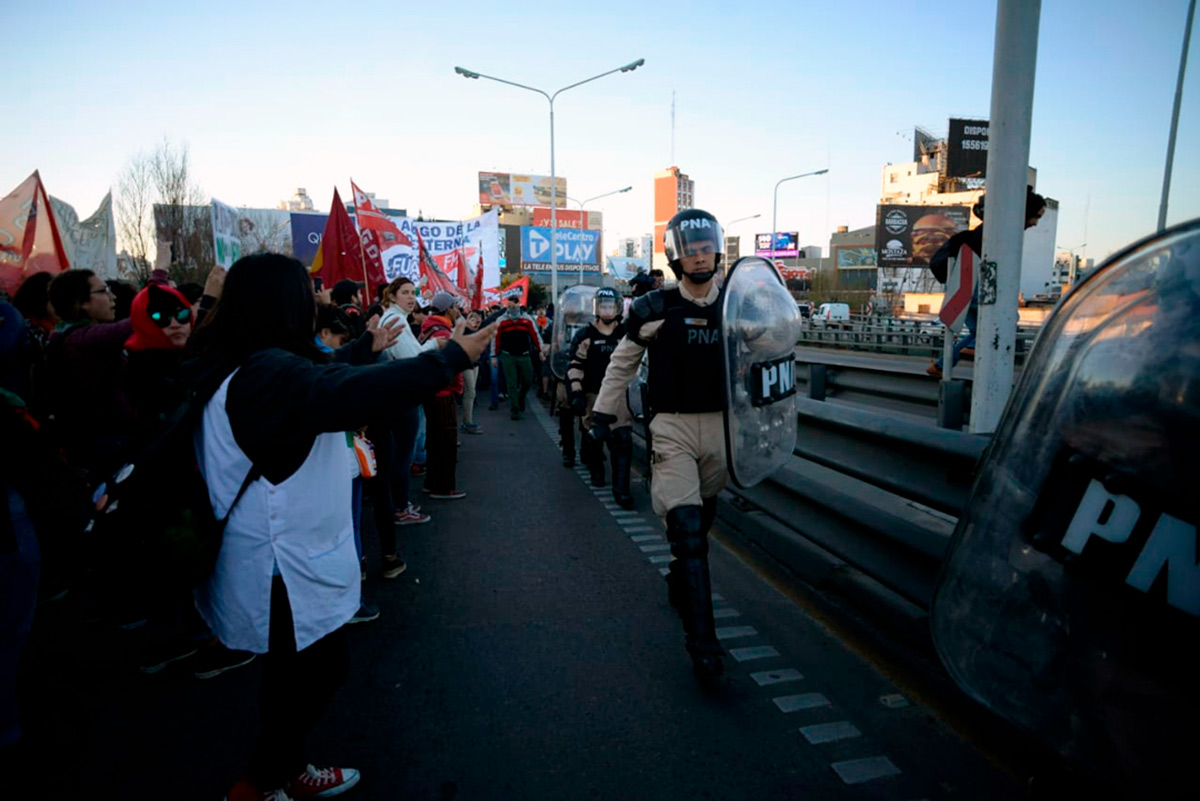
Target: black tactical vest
600 350
685 358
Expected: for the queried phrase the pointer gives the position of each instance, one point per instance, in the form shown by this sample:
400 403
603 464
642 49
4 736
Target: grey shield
572 312
760 326
1070 590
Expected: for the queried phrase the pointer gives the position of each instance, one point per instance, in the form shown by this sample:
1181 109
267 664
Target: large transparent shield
572 312
760 326
1069 600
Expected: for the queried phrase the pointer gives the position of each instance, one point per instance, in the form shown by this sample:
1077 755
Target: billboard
567 218
967 149
786 245
907 236
511 189
850 257
574 247
307 229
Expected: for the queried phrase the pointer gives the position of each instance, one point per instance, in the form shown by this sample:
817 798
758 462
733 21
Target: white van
828 313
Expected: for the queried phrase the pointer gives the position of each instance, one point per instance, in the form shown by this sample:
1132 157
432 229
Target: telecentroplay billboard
908 236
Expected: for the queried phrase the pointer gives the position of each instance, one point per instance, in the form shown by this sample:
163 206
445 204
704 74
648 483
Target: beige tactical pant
688 459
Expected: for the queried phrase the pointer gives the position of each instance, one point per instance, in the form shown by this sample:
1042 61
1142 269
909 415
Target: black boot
620 446
566 433
591 453
691 588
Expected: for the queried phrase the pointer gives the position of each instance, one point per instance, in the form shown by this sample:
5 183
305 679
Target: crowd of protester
290 386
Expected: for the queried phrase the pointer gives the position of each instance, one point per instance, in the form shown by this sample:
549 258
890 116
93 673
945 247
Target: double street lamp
630 67
775 204
730 225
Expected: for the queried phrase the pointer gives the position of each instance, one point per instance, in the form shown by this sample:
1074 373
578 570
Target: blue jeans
495 386
18 596
972 322
419 450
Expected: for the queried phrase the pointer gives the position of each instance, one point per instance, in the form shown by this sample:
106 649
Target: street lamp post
730 225
630 67
583 205
775 203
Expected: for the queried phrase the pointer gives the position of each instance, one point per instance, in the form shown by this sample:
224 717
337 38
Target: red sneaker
245 791
323 783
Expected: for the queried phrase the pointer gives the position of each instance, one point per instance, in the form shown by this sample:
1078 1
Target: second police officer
590 351
680 327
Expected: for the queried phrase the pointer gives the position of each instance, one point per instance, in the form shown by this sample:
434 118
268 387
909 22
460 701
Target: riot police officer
590 351
680 327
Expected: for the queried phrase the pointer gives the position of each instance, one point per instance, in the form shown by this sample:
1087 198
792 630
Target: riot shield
572 312
760 326
1069 599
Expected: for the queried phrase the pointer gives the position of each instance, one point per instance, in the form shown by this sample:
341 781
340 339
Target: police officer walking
681 329
590 351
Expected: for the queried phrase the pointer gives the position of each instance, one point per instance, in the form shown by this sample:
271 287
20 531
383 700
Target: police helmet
692 231
606 303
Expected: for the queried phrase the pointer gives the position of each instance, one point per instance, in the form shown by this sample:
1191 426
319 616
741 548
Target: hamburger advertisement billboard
511 189
908 236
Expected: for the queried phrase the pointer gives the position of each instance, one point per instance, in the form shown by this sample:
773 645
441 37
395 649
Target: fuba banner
574 246
449 243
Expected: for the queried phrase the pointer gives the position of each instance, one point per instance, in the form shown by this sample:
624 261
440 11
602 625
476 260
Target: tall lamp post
583 205
775 203
630 67
730 225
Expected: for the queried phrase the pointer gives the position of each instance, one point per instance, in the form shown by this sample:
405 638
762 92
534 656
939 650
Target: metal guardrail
894 335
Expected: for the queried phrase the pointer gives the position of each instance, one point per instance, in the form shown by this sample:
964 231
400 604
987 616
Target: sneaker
411 518
324 783
365 614
245 791
418 469
217 659
452 495
967 353
393 567
934 371
474 428
157 655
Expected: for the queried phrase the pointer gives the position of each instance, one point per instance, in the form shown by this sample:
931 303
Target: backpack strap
254 475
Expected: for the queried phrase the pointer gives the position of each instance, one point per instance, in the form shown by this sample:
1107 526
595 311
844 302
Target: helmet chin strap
700 278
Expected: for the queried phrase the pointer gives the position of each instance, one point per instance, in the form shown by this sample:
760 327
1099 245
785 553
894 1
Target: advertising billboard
574 247
967 149
511 189
908 236
569 218
786 245
851 257
307 229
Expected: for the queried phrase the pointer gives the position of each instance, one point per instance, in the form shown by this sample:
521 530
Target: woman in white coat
287 577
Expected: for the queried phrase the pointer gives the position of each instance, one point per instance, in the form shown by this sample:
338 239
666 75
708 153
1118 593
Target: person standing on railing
681 328
943 263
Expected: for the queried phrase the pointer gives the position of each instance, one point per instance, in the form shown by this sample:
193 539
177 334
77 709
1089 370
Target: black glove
600 425
578 403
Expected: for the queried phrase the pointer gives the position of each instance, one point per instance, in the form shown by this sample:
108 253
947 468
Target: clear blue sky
269 97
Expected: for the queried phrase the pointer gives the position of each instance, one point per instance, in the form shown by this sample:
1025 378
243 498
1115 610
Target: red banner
432 276
378 232
29 238
340 254
567 218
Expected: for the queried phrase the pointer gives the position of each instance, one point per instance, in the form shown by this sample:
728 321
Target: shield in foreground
572 313
1069 600
760 326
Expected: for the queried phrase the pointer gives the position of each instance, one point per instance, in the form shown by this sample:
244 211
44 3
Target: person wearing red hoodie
441 412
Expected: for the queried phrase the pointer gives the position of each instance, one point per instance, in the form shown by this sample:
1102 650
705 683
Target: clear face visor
691 237
607 308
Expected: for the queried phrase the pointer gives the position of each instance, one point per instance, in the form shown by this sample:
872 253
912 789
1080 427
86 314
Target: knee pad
686 532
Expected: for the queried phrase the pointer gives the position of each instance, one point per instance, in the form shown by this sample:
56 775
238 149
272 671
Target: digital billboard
850 257
786 245
967 149
511 189
908 236
574 247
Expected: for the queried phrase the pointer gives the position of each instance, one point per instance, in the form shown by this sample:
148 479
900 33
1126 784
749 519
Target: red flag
960 289
519 287
432 277
477 296
340 255
379 232
25 246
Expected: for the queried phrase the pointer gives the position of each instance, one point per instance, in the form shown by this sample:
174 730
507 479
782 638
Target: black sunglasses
162 319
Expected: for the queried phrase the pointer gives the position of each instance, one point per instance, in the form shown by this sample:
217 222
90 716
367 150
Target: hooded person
162 321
